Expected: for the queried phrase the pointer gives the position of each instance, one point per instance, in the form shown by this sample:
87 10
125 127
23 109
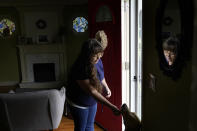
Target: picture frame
42 39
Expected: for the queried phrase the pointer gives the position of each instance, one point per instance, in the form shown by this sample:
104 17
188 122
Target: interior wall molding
9 83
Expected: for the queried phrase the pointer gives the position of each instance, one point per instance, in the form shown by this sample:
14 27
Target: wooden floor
68 125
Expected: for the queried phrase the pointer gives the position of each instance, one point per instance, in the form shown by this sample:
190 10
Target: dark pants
83 118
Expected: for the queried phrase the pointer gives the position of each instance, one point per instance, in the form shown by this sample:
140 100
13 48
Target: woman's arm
107 91
87 87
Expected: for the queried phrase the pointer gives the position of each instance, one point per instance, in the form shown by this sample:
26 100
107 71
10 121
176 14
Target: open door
105 15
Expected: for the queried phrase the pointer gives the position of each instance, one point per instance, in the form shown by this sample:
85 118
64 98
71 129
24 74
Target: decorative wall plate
41 24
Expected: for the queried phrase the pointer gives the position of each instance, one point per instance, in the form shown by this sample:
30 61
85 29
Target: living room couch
31 110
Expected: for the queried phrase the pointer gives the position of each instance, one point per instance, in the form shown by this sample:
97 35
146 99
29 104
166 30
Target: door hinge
127 65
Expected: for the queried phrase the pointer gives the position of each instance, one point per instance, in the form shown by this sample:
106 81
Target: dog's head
131 121
124 109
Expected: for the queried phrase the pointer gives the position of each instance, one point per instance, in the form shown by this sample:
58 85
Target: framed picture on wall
42 39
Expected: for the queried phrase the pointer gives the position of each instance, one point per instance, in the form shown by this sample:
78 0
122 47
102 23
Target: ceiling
42 2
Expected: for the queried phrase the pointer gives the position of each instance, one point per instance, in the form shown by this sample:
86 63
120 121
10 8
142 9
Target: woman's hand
107 92
116 111
87 87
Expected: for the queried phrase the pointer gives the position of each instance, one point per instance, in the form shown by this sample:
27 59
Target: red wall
111 59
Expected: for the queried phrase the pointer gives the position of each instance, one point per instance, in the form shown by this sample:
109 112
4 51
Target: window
131 19
7 27
80 24
103 14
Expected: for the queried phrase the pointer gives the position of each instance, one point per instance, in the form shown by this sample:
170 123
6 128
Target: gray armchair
32 111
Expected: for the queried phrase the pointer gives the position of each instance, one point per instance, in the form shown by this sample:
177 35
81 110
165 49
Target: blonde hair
102 38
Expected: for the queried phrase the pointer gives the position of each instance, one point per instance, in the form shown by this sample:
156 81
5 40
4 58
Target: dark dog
131 121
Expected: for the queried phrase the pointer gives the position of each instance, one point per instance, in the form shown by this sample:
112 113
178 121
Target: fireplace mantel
42 53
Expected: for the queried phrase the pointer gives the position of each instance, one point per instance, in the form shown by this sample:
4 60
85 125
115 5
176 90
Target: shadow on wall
193 91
